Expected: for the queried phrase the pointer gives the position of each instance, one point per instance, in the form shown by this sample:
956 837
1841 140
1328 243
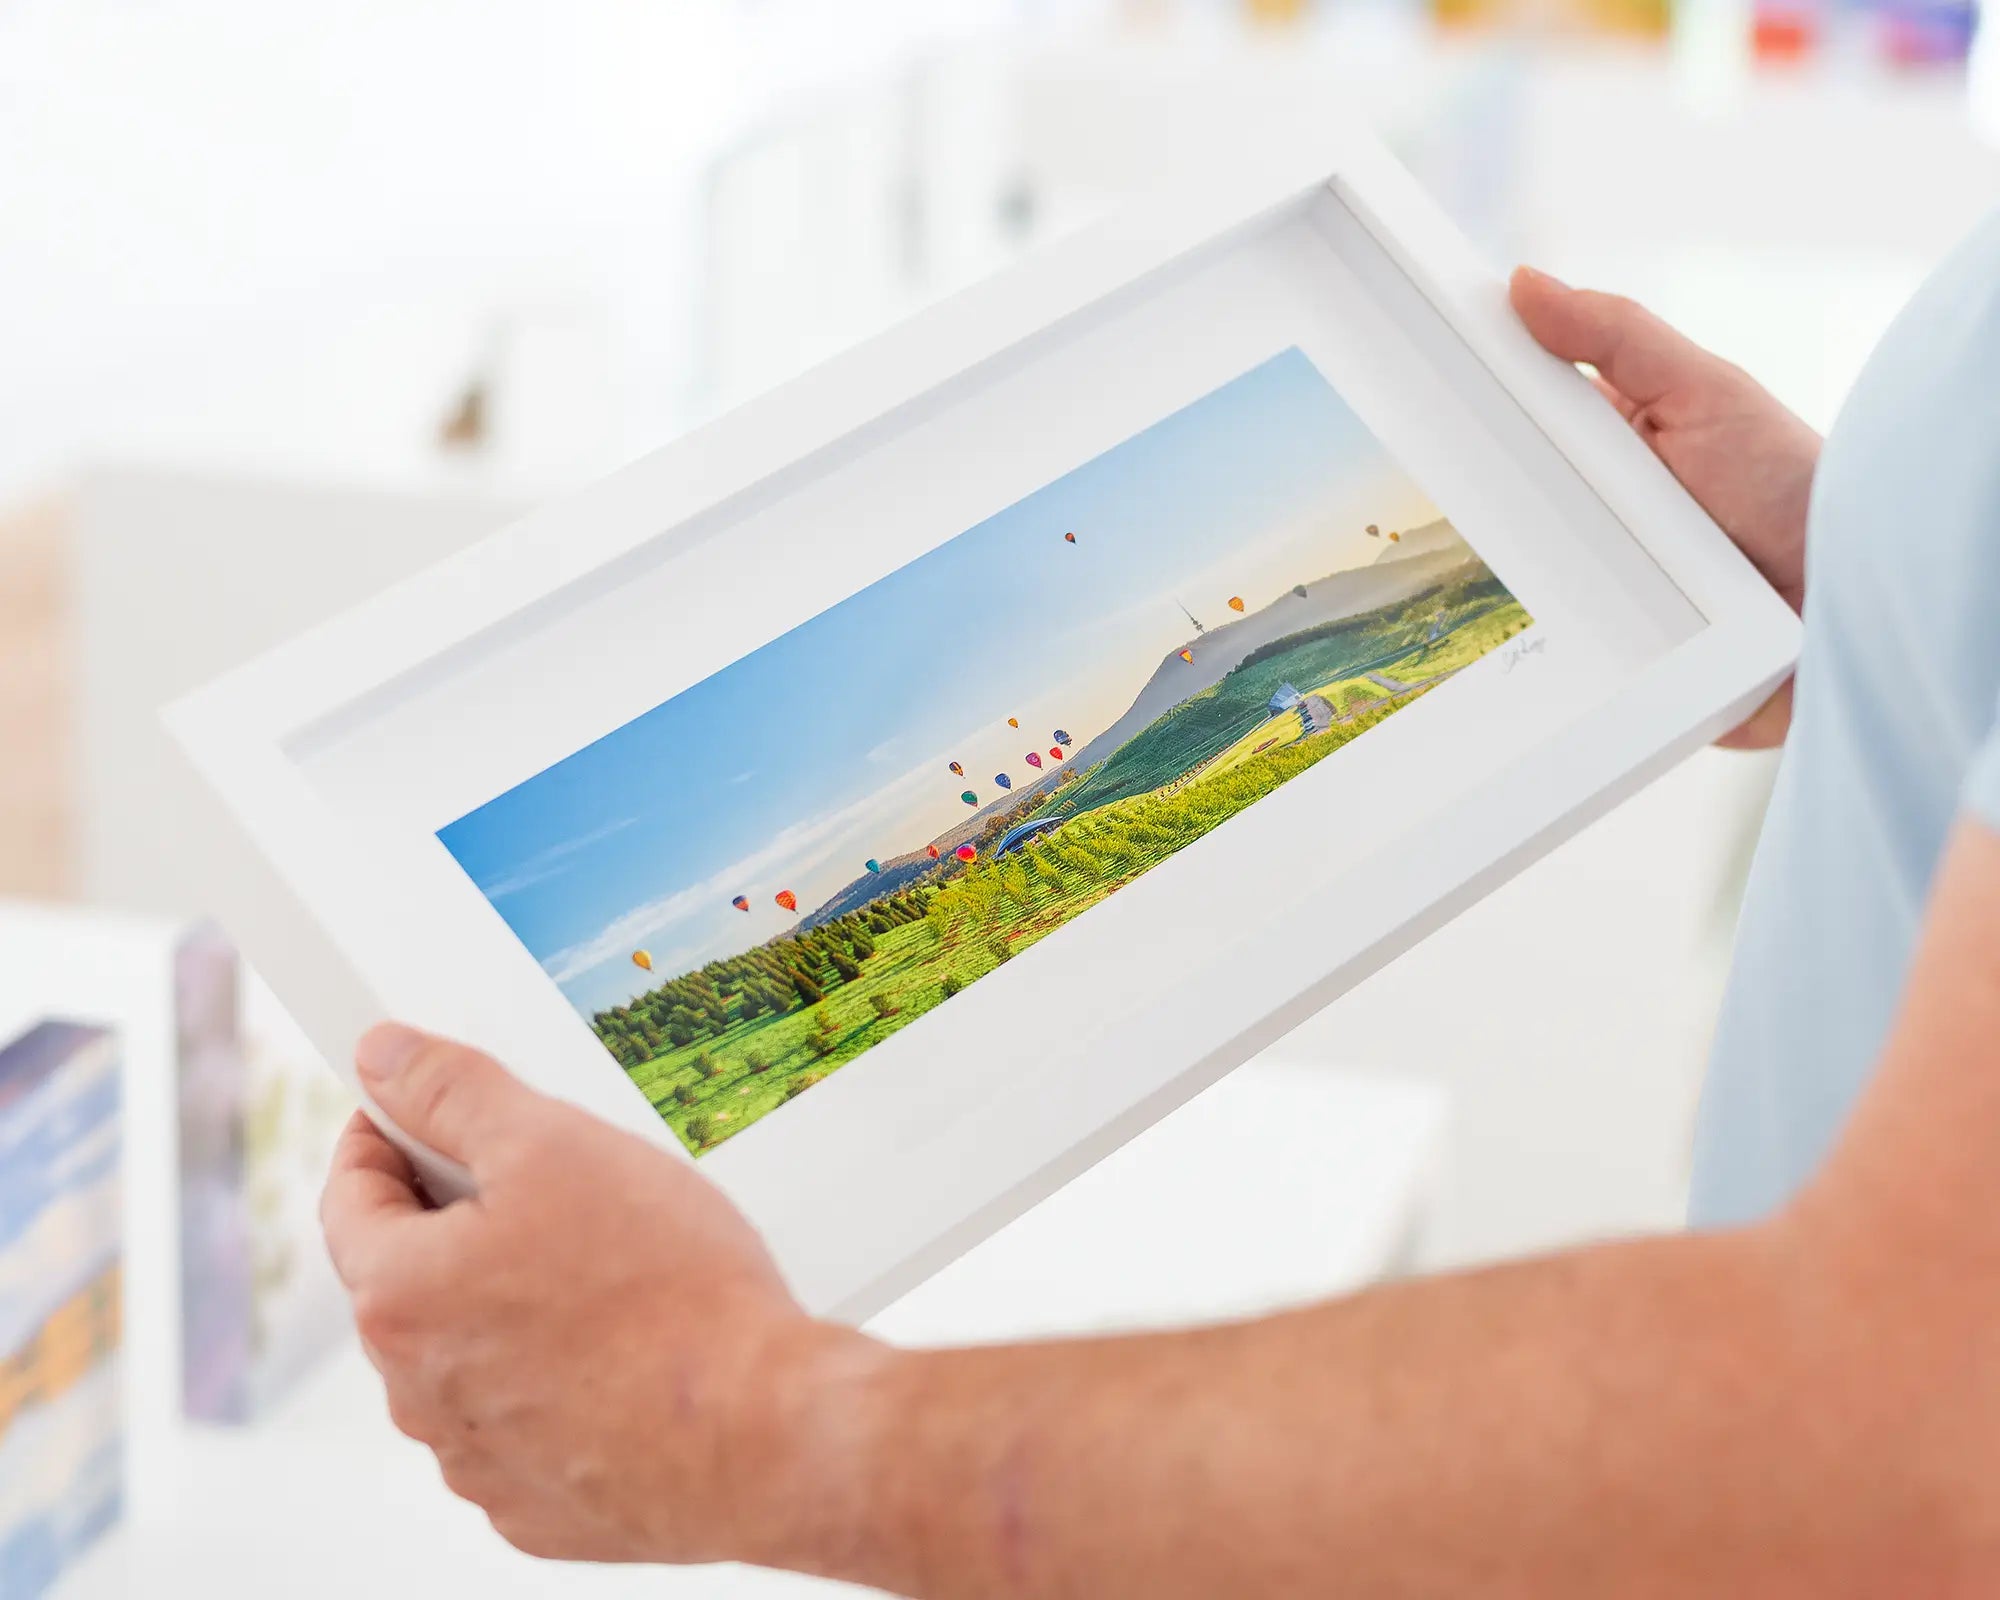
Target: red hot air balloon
1187 655
1236 602
1069 538
934 851
741 902
957 770
1055 752
787 899
1034 759
965 852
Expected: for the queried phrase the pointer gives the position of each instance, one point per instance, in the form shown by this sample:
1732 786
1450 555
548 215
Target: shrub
1000 950
951 985
686 1093
884 1006
707 1065
799 1085
823 1025
701 1130
755 1061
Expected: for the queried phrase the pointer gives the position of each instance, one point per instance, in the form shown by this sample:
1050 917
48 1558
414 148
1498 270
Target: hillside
1425 541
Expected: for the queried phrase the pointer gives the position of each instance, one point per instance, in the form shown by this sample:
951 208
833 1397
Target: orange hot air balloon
641 958
1236 602
741 902
1055 752
1187 655
1069 538
965 852
787 899
957 769
934 851
1013 722
1395 538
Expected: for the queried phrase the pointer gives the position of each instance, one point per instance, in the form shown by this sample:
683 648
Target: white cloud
545 864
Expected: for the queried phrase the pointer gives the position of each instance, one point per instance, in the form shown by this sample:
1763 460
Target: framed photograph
904 790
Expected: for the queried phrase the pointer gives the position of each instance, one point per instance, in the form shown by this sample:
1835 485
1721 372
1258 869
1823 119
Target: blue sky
789 768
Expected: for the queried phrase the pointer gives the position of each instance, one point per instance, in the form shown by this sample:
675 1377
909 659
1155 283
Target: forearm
1625 1420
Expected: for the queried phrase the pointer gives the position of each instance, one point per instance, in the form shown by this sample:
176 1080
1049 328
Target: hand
1743 456
597 1347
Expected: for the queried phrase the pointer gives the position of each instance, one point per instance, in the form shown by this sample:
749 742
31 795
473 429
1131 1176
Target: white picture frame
343 752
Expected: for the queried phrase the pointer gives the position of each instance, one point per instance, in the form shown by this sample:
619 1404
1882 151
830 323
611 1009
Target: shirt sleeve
1982 783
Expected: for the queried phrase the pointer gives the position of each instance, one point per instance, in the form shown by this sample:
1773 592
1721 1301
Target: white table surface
1287 1181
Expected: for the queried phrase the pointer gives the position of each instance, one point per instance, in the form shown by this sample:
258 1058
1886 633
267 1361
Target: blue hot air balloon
1062 738
874 865
1003 780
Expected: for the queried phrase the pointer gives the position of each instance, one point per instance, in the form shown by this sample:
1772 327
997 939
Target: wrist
813 1438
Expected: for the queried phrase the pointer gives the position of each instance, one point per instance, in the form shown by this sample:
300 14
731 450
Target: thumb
1636 353
447 1095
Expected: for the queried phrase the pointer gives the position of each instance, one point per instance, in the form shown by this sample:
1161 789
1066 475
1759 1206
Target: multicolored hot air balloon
1034 759
741 902
642 958
957 770
1003 780
873 865
965 852
1187 655
970 798
933 851
1236 602
1055 752
1013 722
1069 538
1062 738
787 899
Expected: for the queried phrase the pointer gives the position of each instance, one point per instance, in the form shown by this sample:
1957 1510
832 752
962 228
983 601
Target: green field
718 1048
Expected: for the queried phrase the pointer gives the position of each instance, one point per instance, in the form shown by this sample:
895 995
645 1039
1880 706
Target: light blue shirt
1895 732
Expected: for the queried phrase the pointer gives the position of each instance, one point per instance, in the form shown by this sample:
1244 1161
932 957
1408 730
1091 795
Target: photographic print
751 885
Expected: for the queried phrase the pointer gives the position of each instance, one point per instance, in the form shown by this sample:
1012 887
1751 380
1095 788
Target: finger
458 1101
1639 355
369 1190
1625 408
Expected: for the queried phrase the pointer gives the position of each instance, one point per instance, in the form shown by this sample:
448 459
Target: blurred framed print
902 791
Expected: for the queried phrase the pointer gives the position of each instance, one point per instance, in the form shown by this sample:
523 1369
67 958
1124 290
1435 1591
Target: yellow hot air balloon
642 958
1236 602
1187 655
1013 722
1395 538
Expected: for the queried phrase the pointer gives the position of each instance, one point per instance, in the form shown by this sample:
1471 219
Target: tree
846 966
884 1006
701 1130
809 992
686 1093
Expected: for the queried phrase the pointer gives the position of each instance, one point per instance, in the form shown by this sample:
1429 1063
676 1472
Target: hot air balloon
1236 602
873 865
1062 738
1003 780
787 899
957 770
1055 752
934 851
965 852
1395 538
1373 531
641 958
1013 722
1299 589
970 798
741 902
1069 538
1034 760
1187 655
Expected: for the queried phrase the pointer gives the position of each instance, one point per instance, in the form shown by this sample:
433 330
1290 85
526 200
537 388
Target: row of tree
787 974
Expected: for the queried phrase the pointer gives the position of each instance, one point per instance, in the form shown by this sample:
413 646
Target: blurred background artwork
294 300
61 1453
